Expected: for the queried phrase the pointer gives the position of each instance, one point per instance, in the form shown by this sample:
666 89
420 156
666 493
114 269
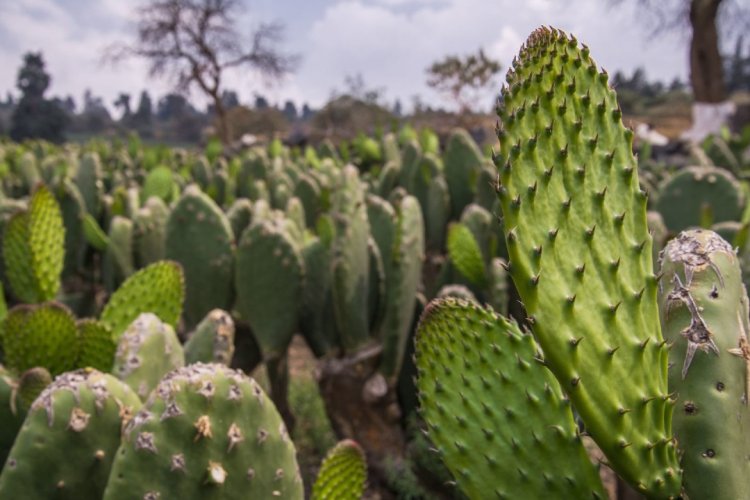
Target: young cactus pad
495 414
158 288
580 254
342 474
68 441
206 432
213 340
704 309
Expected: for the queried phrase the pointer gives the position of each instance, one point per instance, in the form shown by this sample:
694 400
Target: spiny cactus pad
40 335
580 254
213 340
200 238
496 415
68 441
206 432
158 288
31 383
34 248
342 474
704 309
465 254
97 347
269 285
148 350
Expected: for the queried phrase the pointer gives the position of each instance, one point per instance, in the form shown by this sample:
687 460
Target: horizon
72 45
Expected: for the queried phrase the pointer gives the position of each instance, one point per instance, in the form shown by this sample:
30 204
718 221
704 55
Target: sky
389 42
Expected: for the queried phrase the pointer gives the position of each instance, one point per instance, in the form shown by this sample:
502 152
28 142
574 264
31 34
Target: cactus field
555 315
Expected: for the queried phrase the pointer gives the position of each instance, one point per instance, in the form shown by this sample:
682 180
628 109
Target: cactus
269 285
68 441
146 351
11 416
40 335
495 414
199 237
97 346
308 192
316 308
695 192
405 273
150 232
342 474
118 263
704 312
466 255
34 249
240 214
31 383
436 213
212 341
159 183
94 234
463 163
72 209
350 261
88 179
206 432
580 254
158 288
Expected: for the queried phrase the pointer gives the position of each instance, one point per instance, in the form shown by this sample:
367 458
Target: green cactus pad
688 194
704 309
314 319
200 238
158 288
466 255
350 261
212 341
580 254
495 414
68 441
463 163
97 346
342 474
34 249
147 350
11 415
457 292
88 179
159 183
150 232
40 335
207 432
19 269
405 265
269 283
94 234
118 263
240 214
31 383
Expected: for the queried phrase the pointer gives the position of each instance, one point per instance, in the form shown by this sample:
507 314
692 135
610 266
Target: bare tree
459 76
195 42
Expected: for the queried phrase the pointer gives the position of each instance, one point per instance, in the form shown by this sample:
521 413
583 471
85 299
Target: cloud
389 42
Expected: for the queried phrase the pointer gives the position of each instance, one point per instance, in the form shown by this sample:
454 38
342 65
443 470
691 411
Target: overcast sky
389 42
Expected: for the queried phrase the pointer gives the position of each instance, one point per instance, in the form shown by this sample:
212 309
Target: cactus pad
206 432
495 414
342 474
212 341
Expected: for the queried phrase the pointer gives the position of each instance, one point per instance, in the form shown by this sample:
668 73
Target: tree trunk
222 126
361 406
706 72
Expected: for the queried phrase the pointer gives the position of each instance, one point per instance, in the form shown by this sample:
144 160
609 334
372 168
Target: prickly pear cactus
212 341
466 255
11 416
269 285
40 335
342 474
68 441
463 163
34 248
149 232
158 288
148 350
97 345
200 238
704 309
31 383
580 254
206 432
495 414
685 197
